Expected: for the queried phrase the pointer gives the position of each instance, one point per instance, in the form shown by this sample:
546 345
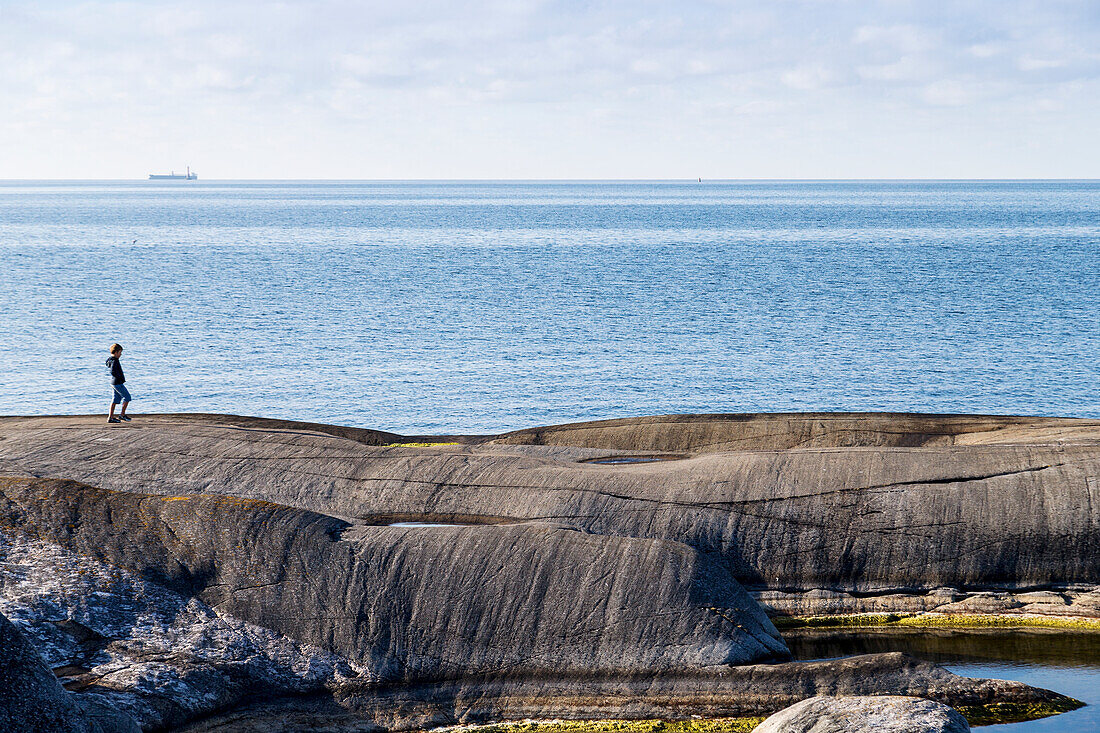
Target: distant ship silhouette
173 176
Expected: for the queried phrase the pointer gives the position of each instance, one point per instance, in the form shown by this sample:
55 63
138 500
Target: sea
479 307
484 306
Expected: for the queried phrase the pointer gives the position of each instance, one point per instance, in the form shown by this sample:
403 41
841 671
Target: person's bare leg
123 412
111 414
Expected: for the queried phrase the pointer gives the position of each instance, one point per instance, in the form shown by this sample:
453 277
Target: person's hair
115 348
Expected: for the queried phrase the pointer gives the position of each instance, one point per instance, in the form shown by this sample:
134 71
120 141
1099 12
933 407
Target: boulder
416 603
871 714
856 503
362 579
158 656
32 700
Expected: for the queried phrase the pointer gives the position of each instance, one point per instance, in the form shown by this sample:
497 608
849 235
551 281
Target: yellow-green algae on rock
1013 712
938 621
710 725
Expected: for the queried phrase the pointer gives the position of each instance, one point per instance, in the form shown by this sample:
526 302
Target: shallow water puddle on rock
433 524
623 460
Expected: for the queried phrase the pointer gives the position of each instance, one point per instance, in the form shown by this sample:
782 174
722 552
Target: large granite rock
151 654
250 565
883 714
736 691
410 604
32 700
30 697
866 503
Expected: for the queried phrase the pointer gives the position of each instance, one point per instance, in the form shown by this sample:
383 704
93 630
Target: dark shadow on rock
32 700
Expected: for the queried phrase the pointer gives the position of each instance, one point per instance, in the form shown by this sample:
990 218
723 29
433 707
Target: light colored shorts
121 394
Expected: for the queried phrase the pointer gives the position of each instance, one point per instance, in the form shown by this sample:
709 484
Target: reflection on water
1066 662
1042 647
430 524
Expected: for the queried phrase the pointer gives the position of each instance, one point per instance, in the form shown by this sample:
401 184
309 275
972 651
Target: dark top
115 370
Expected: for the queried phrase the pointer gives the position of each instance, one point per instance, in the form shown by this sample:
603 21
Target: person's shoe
124 418
113 419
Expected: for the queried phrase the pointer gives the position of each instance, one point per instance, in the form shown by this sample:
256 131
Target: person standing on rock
118 384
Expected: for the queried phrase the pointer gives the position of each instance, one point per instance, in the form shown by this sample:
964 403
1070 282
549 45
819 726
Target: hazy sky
517 89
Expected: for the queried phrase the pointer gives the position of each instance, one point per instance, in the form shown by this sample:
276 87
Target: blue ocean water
485 306
1066 662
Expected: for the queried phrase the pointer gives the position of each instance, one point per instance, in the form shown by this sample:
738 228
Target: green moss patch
712 725
937 621
1016 712
417 445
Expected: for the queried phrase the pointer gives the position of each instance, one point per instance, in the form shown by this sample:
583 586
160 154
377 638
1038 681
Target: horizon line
694 179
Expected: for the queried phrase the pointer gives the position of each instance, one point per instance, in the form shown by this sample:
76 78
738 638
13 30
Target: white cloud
985 50
906 68
808 77
236 82
1031 63
949 93
899 39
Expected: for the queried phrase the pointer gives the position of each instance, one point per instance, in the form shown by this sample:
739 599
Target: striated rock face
408 605
178 567
885 714
736 691
867 503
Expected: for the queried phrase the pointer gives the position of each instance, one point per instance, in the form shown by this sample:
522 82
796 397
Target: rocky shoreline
1066 606
229 573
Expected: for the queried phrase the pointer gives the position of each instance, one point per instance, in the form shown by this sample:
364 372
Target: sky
527 89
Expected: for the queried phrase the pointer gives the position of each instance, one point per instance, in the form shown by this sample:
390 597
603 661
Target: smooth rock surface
867 503
723 433
885 714
407 604
218 566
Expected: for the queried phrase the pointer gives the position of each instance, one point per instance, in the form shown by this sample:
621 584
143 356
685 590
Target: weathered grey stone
30 697
1075 601
884 714
410 603
32 700
579 588
155 654
868 503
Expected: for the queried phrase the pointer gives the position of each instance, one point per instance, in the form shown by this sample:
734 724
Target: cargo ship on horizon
173 176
